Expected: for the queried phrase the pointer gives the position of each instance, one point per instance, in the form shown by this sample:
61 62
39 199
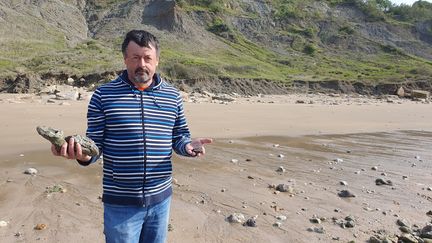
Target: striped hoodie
136 132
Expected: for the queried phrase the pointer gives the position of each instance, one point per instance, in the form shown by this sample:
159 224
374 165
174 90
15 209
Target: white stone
236 218
234 161
338 160
281 217
31 171
3 223
281 156
281 169
70 80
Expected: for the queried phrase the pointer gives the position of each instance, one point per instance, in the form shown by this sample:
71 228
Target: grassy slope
242 59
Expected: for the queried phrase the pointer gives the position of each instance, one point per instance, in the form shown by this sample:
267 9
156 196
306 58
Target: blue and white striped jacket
136 132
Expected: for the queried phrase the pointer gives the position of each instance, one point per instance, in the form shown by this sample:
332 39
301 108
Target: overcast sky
406 1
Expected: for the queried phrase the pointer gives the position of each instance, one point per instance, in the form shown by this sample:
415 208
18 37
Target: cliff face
236 39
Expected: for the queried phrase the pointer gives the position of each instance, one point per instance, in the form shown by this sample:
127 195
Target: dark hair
142 38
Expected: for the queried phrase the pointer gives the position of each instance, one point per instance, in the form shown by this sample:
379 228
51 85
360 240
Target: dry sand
363 132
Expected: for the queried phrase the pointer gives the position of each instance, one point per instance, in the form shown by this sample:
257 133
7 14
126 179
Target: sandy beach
320 142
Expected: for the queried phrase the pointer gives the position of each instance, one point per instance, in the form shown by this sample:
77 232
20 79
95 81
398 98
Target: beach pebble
319 230
281 217
284 188
277 224
236 218
40 227
381 181
3 223
343 183
402 222
346 193
235 161
281 169
250 222
315 220
31 171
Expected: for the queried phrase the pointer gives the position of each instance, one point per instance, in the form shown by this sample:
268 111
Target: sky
409 2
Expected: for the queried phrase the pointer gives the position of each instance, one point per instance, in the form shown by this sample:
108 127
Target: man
136 120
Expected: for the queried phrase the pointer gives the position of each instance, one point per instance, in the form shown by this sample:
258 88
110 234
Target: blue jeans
131 224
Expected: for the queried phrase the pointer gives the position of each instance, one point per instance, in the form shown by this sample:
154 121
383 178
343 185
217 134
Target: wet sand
209 189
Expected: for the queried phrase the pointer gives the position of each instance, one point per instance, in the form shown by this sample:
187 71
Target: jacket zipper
145 145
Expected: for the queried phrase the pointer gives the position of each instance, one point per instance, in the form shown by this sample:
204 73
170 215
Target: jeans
132 224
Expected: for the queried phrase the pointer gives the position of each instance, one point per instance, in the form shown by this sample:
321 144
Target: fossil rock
57 138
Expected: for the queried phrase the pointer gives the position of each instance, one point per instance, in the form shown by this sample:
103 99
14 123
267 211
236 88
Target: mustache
141 70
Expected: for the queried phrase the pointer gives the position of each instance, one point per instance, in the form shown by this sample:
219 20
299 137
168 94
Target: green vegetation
306 54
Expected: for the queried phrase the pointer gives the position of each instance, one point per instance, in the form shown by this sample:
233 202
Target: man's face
141 63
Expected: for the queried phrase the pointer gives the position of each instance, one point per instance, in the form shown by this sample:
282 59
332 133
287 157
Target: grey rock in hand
57 138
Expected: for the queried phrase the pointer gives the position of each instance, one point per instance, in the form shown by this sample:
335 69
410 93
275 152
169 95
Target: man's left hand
196 147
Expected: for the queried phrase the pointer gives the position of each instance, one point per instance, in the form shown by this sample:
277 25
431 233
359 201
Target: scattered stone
281 217
170 227
31 171
21 155
250 177
420 94
3 223
374 168
277 224
315 220
276 145
405 177
429 213
223 190
402 222
400 92
405 229
9 180
381 181
407 238
250 222
417 157
230 141
346 193
284 188
281 156
248 160
338 160
236 218
343 183
235 161
383 174
281 169
319 230
40 227
18 234
357 172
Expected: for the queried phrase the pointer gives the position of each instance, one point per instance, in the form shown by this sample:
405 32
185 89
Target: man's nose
141 62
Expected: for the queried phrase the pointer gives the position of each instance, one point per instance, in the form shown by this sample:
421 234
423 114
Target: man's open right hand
71 150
